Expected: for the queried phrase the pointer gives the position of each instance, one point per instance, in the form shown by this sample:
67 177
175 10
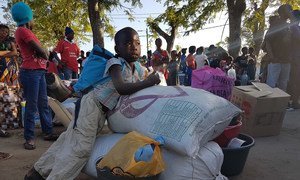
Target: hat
68 30
21 13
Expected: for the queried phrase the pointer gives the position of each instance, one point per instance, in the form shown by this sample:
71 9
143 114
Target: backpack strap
102 54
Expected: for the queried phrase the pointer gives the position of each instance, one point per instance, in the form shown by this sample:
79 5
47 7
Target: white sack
102 146
61 113
69 104
186 117
206 165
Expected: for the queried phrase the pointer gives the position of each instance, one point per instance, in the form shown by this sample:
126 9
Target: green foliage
51 18
178 47
188 14
255 19
294 3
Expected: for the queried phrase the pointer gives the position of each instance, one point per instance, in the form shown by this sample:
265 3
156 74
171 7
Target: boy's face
173 55
4 33
158 43
245 50
70 36
129 47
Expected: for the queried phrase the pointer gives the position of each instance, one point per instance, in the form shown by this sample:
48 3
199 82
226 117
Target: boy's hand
153 78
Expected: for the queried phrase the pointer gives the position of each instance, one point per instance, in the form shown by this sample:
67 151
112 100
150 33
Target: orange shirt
190 61
69 52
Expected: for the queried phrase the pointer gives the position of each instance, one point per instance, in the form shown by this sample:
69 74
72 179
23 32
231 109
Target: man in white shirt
200 57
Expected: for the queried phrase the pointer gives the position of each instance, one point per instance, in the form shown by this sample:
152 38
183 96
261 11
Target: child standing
173 68
68 155
32 75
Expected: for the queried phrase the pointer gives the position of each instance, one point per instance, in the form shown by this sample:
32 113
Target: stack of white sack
205 166
187 118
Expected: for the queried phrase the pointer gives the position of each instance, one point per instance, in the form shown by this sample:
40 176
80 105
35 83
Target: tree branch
156 27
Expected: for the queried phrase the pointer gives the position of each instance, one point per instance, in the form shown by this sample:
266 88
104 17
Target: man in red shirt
69 52
191 64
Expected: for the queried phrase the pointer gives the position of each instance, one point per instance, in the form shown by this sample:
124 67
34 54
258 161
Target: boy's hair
158 39
244 49
3 26
283 8
192 49
200 49
120 33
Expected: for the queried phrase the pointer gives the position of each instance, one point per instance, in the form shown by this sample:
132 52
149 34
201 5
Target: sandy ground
272 158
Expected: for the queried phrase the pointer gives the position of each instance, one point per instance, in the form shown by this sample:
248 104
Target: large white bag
102 146
206 165
186 117
61 113
69 104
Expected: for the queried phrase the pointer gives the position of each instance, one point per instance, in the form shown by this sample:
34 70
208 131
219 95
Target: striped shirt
106 93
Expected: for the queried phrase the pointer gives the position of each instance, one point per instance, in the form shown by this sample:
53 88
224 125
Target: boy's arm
124 88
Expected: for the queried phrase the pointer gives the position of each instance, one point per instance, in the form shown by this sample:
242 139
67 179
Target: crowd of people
66 157
178 67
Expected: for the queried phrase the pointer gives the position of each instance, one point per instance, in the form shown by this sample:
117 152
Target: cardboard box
264 108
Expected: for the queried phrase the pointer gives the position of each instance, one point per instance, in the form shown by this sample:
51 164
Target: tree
255 20
190 15
100 22
51 18
235 12
256 23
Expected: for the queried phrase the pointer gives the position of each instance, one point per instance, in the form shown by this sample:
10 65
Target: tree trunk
170 40
235 11
95 9
258 39
260 24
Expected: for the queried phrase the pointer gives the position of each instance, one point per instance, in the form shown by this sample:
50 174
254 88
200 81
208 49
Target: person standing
251 68
190 64
160 58
173 68
182 60
32 75
149 59
242 62
80 60
294 88
278 42
200 57
69 52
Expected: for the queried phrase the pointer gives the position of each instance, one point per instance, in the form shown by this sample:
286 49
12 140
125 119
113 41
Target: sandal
29 146
51 137
4 133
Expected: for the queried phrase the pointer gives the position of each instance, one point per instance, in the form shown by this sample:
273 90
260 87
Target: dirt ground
272 158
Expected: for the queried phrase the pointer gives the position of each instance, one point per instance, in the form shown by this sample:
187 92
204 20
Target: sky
204 37
209 34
